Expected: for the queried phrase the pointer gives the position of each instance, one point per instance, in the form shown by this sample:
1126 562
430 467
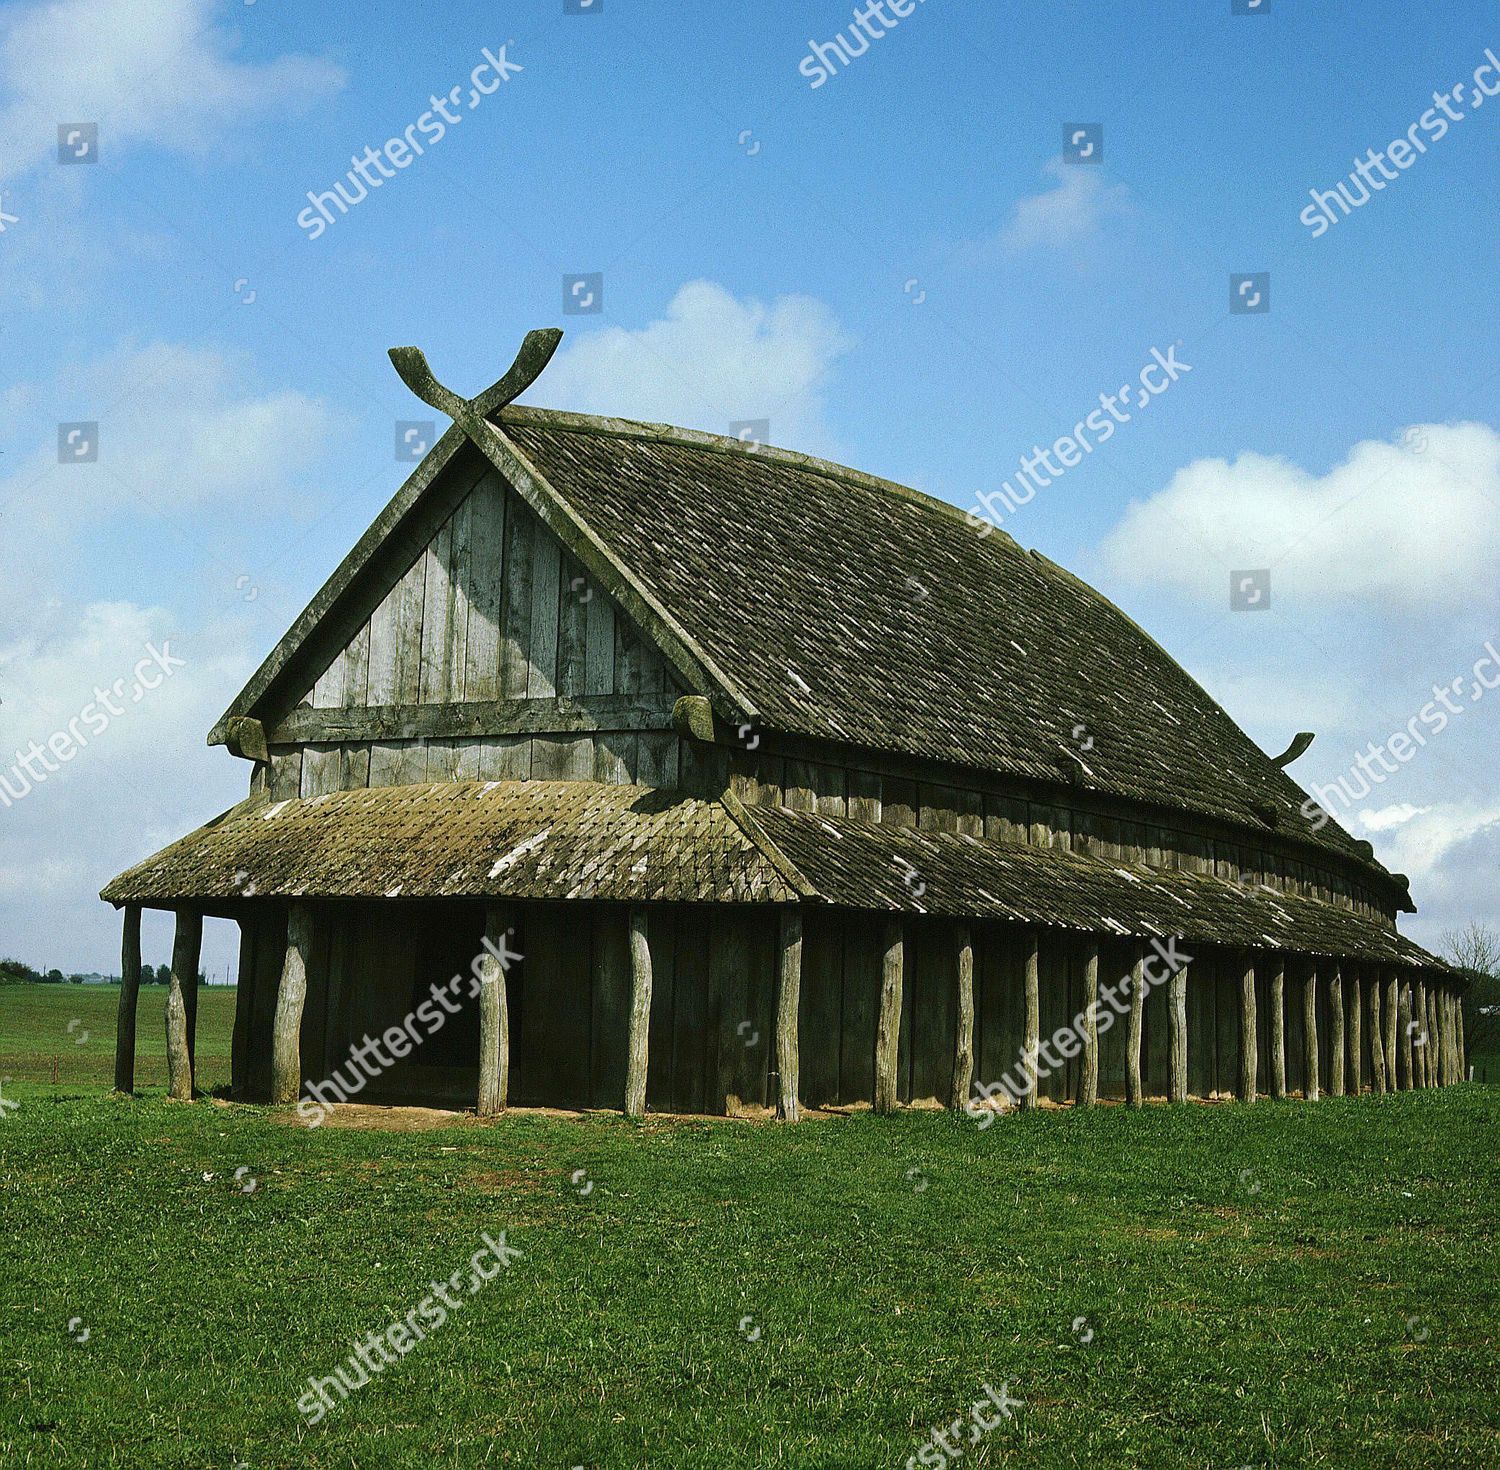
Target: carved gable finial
536 352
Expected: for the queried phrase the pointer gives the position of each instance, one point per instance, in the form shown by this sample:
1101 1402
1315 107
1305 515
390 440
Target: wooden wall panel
662 926
611 1005
691 1017
932 978
862 970
821 1005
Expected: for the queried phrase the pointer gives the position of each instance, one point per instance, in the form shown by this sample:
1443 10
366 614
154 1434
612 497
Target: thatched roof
578 839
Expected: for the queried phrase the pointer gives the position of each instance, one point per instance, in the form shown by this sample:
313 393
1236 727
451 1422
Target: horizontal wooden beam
305 725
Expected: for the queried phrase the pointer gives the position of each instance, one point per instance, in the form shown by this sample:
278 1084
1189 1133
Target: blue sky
895 268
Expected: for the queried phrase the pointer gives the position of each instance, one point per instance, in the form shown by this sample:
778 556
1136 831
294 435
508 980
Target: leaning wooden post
130 984
1336 1032
1419 1041
1450 1068
1434 1036
1088 1077
888 1027
286 1031
1408 1077
1177 1068
186 948
1458 1037
1278 1028
963 1040
1031 1042
494 1014
788 1003
1249 1047
1356 1035
1310 1030
1134 1094
1377 1046
1390 1031
640 1015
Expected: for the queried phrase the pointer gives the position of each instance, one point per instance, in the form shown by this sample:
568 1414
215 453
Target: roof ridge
618 428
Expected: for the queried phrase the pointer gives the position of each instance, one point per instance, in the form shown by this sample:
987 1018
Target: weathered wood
788 1004
640 1015
1134 1094
963 1037
1336 1032
1088 1081
549 715
1377 1045
494 1014
1459 1053
286 1034
1420 1058
1249 1040
1031 1040
246 738
1391 1025
1445 1018
1310 1032
1405 1018
1278 1026
1356 1036
888 1021
130 984
1177 1075
186 949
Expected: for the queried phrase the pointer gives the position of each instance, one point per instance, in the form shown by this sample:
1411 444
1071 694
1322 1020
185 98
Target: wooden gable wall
491 655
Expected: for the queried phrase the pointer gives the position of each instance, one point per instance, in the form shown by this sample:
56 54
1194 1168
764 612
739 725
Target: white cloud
712 360
1394 523
155 72
1386 818
1069 213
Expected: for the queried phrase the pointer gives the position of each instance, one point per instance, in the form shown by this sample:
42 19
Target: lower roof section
585 840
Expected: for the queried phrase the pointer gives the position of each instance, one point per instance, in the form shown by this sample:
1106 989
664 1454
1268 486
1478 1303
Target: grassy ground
72 1028
1212 1286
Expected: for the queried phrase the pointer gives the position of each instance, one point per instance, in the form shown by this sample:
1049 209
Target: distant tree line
18 972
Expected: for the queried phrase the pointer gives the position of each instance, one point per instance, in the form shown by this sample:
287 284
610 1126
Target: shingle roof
579 839
854 610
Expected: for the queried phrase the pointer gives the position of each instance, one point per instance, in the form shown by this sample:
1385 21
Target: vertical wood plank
1249 1056
1134 1095
130 984
888 1022
599 640
572 640
638 1054
541 677
1336 1061
1392 1052
515 631
1278 1026
1377 1035
485 580
494 1014
788 1013
412 593
1088 1082
1031 1041
286 1039
1310 1031
1355 1034
1177 1064
963 1039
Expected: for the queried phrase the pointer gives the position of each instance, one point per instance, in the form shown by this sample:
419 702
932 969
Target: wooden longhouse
770 784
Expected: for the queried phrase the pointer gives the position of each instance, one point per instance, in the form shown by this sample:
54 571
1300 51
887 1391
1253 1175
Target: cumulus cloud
712 360
1415 522
1071 212
155 72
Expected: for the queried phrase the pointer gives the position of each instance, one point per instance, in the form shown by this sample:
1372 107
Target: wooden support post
888 1027
1420 1056
1408 1077
1088 1077
1278 1027
130 984
1460 1055
1177 1080
1336 1032
286 1032
640 1015
187 946
1446 1021
1356 1035
1377 1046
494 1014
963 1040
1310 1030
1249 1057
1390 1031
1434 1035
1134 1094
1031 1041
788 1003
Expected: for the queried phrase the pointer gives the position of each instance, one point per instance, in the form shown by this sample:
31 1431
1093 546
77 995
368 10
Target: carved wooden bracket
246 738
468 413
1298 747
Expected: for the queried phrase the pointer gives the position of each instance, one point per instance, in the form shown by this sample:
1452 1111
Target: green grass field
1286 1285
